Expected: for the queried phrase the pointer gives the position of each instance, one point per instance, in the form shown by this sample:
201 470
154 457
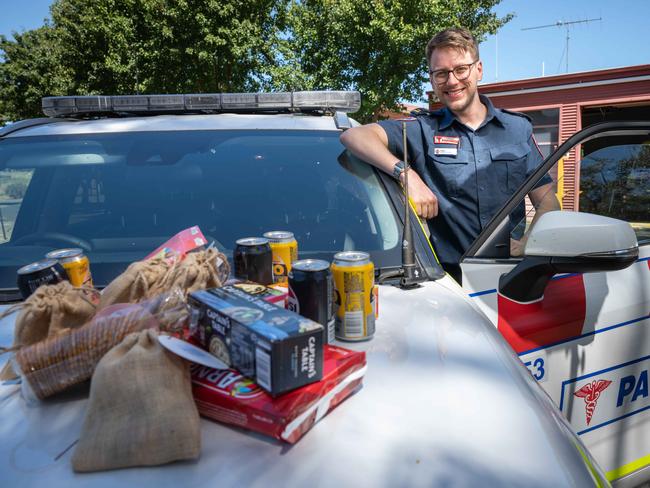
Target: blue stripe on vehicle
596 373
613 420
588 334
494 290
558 277
479 293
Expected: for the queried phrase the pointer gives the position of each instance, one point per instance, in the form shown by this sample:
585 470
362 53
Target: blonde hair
457 38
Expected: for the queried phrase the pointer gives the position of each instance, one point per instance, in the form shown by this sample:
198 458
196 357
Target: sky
621 38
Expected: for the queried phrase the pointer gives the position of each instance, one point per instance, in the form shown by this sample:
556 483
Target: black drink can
253 260
310 293
44 272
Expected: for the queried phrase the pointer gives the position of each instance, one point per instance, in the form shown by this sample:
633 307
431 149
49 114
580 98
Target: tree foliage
31 69
174 46
378 47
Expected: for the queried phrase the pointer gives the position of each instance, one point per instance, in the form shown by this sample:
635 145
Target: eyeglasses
461 73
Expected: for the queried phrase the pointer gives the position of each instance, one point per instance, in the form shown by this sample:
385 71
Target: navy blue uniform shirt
471 172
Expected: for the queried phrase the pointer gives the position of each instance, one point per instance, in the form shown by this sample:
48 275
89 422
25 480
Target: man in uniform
468 158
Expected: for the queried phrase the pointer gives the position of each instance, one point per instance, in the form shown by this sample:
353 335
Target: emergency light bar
305 101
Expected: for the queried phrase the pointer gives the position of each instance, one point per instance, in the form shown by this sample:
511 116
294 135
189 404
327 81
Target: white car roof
183 122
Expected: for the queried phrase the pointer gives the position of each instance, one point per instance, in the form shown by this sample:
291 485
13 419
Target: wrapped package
229 397
273 294
140 281
280 349
66 359
140 411
178 246
205 268
50 310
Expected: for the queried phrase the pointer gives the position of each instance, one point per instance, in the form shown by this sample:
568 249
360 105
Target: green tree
167 46
31 68
183 46
139 46
374 46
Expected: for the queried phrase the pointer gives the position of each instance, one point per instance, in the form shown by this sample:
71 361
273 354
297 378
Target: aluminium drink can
253 260
353 275
310 293
43 272
285 252
76 265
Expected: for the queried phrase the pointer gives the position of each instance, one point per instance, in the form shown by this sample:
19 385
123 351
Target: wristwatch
398 169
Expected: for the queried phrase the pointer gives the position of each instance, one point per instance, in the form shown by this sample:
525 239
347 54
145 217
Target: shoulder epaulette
519 114
420 111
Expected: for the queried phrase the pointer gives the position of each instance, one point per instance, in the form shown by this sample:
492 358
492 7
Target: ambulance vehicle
533 373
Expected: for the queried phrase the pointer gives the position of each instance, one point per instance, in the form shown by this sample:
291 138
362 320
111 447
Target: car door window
615 181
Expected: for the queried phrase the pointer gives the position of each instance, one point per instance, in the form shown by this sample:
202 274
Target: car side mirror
569 242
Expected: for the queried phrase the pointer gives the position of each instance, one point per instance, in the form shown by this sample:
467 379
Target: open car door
570 291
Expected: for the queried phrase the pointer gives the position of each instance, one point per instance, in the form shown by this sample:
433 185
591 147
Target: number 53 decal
537 367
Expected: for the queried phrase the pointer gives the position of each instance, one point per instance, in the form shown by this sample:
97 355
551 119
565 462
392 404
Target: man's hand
370 143
424 200
517 247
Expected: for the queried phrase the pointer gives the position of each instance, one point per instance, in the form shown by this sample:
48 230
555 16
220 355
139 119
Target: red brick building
563 104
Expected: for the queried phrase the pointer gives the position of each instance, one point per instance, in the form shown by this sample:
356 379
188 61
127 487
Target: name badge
446 140
445 151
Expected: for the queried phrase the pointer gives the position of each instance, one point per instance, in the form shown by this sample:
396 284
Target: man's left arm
543 195
544 200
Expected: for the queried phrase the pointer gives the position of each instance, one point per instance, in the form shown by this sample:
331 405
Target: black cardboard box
277 348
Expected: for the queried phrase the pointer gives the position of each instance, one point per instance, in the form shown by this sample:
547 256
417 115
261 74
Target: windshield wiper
10 295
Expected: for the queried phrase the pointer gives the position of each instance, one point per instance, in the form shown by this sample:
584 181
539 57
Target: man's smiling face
457 95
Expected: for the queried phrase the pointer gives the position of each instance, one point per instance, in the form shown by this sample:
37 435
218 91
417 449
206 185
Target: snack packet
64 360
229 397
50 310
179 245
140 411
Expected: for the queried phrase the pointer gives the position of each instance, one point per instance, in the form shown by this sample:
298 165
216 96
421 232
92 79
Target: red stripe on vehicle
558 316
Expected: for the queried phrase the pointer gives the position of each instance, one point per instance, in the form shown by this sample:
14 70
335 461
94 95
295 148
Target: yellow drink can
353 275
285 252
76 265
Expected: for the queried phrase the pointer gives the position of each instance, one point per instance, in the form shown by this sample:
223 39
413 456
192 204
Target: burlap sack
137 283
199 270
50 310
141 411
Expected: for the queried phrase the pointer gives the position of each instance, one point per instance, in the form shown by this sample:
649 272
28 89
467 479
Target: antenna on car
410 276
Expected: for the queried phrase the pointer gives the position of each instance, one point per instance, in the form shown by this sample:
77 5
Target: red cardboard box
229 397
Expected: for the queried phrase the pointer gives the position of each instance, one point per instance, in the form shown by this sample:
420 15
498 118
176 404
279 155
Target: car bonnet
444 401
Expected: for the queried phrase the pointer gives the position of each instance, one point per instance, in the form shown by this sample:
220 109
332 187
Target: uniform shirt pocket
450 172
509 164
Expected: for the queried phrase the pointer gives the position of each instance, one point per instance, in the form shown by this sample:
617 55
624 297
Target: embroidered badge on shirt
446 140
445 151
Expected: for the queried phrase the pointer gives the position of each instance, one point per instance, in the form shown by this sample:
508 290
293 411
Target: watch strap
398 169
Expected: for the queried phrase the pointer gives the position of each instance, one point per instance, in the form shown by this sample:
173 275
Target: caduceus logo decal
591 392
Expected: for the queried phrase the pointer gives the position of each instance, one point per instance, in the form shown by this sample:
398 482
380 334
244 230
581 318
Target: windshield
123 194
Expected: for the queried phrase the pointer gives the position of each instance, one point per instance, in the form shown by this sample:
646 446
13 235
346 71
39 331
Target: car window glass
124 194
13 185
614 181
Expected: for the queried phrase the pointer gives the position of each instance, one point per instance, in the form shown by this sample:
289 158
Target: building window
546 124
